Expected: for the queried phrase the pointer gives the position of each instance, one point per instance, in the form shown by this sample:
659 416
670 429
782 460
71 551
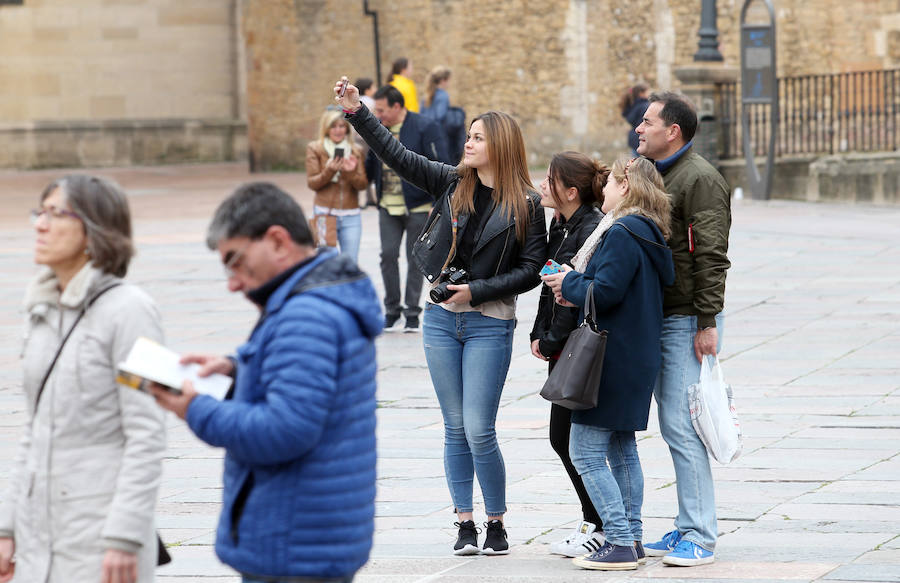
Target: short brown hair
104 212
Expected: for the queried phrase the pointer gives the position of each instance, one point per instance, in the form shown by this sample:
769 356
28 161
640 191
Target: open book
153 362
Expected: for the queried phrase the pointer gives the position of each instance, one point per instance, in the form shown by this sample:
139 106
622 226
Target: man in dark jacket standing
701 219
299 431
402 207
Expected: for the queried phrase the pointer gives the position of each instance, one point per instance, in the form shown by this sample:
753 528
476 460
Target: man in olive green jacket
701 219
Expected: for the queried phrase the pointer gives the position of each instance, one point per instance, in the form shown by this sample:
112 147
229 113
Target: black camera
450 276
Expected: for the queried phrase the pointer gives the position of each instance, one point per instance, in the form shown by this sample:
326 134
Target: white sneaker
582 540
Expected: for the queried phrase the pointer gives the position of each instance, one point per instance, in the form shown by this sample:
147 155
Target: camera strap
62 344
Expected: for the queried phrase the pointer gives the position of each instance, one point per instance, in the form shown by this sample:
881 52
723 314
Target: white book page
154 362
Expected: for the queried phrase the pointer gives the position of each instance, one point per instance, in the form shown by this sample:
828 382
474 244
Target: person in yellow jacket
399 78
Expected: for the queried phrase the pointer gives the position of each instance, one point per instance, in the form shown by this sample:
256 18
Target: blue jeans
617 489
696 519
349 233
468 356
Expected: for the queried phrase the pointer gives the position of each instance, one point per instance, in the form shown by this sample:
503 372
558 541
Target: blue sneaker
688 554
664 546
609 557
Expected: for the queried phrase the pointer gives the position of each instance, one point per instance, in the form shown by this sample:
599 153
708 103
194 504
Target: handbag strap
63 343
590 310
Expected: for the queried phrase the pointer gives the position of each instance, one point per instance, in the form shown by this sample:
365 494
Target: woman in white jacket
81 499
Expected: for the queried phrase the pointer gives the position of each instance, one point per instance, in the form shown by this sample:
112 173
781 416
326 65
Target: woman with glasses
484 243
627 261
81 498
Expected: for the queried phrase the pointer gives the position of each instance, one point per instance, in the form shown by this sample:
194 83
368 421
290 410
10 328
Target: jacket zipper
563 242
431 226
502 253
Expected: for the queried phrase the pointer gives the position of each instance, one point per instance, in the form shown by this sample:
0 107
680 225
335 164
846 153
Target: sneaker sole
680 562
466 551
492 552
594 566
651 552
411 330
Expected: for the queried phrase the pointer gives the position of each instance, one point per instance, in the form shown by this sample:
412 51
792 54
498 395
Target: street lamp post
709 34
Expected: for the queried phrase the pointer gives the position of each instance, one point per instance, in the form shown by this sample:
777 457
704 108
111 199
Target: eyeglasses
230 266
52 213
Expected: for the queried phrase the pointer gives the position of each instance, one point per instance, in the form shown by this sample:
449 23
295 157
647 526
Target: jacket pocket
426 236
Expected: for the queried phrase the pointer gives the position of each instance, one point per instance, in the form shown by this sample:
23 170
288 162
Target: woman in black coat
573 185
629 264
483 244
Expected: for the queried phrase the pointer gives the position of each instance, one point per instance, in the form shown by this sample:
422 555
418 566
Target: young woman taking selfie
483 244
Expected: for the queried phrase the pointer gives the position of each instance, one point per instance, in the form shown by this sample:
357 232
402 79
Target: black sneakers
495 539
467 540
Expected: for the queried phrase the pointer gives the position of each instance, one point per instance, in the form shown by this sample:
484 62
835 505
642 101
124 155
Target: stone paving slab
811 338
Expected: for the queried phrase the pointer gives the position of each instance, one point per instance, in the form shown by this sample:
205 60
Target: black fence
818 114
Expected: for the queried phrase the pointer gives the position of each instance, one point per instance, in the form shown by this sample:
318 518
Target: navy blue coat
629 270
299 434
423 136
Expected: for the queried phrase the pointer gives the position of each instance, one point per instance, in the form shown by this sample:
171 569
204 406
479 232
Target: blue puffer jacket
299 434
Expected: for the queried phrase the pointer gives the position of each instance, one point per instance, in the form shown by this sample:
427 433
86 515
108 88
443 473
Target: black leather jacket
554 323
502 267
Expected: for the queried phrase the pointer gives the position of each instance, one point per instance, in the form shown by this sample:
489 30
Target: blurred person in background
366 95
451 119
399 77
335 172
633 104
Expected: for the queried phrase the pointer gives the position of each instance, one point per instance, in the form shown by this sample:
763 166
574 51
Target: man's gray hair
254 207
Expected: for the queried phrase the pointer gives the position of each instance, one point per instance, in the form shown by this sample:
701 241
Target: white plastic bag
713 414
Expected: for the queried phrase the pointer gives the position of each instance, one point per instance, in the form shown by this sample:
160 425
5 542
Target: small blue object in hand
550 268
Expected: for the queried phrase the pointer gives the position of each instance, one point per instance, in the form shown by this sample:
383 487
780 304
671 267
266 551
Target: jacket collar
280 295
498 222
578 216
43 290
666 163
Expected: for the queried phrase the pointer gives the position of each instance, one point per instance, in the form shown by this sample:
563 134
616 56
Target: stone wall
117 78
557 65
872 178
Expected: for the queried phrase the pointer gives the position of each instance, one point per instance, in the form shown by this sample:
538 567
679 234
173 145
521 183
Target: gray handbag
574 382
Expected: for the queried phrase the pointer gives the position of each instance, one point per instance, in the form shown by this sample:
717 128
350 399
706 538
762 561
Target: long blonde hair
435 77
646 194
329 118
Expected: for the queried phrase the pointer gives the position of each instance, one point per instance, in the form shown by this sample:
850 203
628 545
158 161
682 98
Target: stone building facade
558 65
119 82
100 82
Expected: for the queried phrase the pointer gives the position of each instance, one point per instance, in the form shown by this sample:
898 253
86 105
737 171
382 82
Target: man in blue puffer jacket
299 430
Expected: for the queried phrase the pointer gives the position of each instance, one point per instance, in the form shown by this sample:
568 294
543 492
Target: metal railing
818 114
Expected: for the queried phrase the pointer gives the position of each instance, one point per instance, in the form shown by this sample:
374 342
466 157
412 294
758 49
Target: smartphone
550 268
344 83
338 152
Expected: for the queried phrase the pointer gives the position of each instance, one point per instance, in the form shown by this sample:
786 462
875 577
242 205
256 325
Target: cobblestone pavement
811 345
